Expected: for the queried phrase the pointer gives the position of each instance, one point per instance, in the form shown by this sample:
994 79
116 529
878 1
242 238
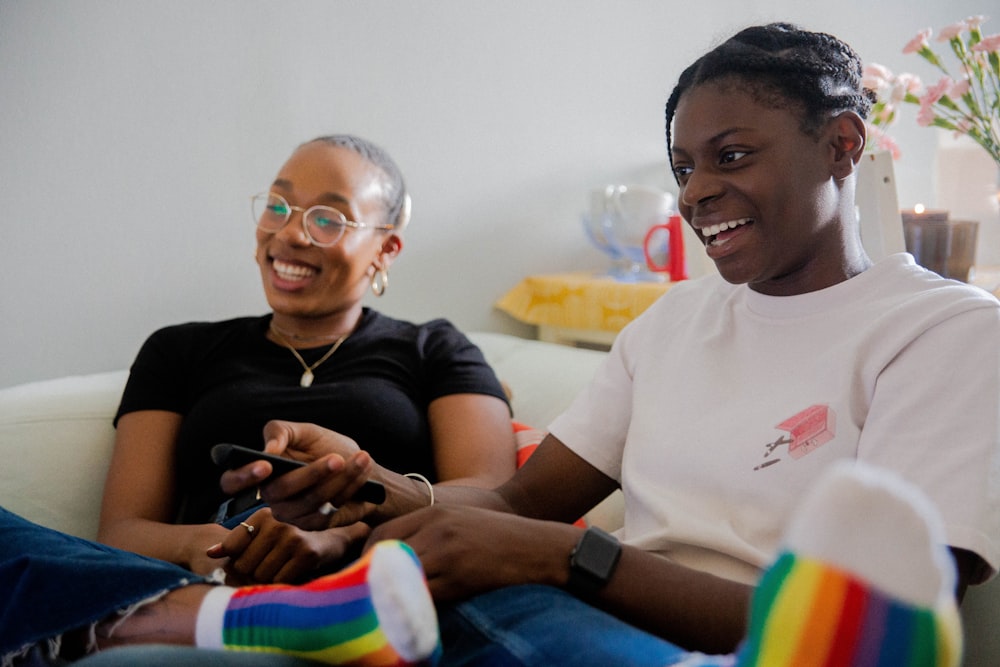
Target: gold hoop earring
380 281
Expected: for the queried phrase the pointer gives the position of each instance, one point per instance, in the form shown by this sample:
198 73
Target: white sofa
56 439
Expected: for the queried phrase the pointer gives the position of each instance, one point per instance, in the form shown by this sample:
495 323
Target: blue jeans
52 583
544 626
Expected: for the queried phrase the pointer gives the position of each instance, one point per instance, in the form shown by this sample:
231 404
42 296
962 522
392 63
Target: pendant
307 379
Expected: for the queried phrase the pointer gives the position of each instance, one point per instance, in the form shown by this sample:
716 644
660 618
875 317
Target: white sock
863 577
876 525
208 626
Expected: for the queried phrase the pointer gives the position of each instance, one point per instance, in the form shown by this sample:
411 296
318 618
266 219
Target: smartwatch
593 561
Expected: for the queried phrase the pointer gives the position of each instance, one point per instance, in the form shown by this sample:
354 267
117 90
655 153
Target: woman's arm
468 550
140 495
473 440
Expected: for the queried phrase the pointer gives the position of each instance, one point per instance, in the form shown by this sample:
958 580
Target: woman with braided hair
720 408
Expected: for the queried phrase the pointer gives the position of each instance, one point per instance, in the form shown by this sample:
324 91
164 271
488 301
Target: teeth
288 271
723 226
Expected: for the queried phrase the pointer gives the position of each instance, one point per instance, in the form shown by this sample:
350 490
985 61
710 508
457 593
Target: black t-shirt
227 380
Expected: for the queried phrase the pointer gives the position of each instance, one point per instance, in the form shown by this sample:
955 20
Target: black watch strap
593 561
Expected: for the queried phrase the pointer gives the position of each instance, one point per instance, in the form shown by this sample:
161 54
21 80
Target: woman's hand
198 538
298 441
277 552
467 550
336 470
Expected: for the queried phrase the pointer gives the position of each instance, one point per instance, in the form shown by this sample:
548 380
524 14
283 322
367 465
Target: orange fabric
527 439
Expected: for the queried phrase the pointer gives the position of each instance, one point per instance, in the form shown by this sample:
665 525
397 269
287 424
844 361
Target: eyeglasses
323 225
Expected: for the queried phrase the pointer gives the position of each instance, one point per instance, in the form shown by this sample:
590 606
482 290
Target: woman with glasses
418 398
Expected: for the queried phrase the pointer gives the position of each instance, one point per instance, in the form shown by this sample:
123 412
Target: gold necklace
307 376
302 339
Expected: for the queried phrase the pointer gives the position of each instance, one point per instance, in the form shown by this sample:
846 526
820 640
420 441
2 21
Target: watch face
596 554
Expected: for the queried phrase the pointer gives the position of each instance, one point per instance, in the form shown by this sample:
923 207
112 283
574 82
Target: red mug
674 263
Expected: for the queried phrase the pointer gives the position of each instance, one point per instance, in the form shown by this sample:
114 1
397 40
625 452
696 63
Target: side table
575 308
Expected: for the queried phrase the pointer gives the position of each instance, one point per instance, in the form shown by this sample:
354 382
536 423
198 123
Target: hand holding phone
234 456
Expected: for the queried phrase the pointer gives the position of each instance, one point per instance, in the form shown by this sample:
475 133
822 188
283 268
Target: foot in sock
378 611
864 578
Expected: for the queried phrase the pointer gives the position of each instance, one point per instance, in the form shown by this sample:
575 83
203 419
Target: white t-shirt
719 407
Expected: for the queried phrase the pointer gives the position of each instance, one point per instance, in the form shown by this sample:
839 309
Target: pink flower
902 85
991 43
874 76
966 104
959 88
918 42
936 92
883 116
925 117
974 22
953 30
883 141
910 82
887 143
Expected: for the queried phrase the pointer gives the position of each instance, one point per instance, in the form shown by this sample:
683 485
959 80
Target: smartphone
235 456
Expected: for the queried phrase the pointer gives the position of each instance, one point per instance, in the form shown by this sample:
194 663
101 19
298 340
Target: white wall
132 134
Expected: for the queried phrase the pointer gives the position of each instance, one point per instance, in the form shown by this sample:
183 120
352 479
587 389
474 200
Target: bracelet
418 476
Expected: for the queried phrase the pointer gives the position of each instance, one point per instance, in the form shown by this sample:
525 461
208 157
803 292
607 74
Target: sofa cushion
543 378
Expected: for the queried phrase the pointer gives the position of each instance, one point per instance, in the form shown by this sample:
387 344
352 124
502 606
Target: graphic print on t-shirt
808 430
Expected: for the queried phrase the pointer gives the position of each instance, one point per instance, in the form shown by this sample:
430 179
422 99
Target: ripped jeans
52 583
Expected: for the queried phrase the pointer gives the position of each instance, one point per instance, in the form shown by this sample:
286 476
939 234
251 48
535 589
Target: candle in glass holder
918 213
947 247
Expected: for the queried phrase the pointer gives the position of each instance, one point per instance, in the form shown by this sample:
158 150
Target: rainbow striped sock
375 612
806 613
863 579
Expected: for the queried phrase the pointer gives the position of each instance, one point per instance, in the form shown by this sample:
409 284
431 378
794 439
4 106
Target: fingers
429 533
403 527
277 435
308 440
466 550
299 496
262 549
239 538
337 471
277 552
244 477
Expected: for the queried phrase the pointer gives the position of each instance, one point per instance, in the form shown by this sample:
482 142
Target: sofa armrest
56 438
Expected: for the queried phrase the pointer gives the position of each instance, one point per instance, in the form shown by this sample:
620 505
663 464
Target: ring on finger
250 529
326 509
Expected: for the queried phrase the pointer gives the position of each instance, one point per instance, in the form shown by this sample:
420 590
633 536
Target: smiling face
319 290
769 201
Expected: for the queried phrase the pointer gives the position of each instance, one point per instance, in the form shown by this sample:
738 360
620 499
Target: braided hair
397 202
783 66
